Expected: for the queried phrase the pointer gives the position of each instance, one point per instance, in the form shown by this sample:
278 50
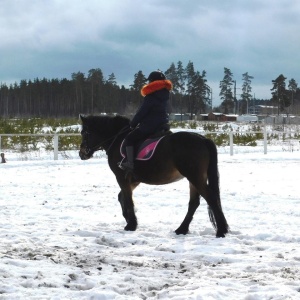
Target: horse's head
89 140
100 132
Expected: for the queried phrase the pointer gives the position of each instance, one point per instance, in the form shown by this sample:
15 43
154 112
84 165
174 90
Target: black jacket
152 114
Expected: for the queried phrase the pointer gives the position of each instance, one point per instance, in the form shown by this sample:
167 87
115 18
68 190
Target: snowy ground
62 233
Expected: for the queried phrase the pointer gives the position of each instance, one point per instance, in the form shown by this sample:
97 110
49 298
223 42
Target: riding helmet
156 75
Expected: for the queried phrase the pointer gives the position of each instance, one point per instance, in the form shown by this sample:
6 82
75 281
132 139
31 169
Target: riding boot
129 164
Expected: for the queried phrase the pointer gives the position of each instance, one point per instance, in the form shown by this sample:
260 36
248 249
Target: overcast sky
55 38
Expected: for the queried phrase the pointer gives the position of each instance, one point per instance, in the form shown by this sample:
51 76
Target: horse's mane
96 122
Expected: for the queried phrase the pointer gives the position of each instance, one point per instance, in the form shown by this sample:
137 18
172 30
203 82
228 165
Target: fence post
0 143
55 146
231 142
265 140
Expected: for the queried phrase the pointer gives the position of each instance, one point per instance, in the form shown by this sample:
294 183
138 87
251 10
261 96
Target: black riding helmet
156 75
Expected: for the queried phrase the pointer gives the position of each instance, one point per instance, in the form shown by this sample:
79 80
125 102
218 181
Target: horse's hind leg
193 205
215 212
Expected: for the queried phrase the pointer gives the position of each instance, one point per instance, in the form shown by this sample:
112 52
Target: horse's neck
115 143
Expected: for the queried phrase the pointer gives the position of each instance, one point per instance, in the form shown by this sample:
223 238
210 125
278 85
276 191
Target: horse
178 155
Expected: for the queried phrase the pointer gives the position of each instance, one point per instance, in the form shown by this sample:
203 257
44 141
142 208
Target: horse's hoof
181 231
220 235
130 227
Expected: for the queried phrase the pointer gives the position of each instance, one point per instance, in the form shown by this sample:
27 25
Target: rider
151 117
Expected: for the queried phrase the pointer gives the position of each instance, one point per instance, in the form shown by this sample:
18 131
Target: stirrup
120 165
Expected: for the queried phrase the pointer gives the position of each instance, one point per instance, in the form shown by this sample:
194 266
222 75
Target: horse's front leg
121 201
127 205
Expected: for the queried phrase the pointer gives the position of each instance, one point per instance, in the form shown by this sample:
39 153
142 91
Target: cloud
55 38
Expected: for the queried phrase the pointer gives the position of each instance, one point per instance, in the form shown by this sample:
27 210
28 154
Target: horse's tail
213 171
215 212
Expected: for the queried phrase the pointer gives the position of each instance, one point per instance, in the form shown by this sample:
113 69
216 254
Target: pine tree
280 94
96 80
226 91
172 75
293 89
79 80
181 85
112 79
181 77
246 95
197 90
138 82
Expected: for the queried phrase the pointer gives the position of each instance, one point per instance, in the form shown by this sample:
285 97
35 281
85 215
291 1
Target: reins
113 138
126 128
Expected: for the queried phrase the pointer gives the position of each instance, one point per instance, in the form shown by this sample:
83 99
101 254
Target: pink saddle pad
145 150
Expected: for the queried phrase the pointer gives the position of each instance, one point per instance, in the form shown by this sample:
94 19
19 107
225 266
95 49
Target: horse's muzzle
84 155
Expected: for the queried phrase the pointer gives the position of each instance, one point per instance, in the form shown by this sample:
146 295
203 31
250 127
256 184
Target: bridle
90 150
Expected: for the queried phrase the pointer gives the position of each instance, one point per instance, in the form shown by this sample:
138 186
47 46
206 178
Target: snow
62 233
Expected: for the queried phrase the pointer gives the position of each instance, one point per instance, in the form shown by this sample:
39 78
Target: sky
56 38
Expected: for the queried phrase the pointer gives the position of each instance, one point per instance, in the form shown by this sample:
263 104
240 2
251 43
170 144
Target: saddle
145 149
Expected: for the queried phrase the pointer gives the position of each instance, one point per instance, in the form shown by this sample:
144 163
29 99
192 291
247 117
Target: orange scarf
156 86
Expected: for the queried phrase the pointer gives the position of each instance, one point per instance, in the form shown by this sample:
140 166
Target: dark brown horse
178 155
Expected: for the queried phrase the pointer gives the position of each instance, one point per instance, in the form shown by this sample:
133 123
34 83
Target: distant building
247 118
231 118
218 117
179 117
281 119
215 116
262 110
203 117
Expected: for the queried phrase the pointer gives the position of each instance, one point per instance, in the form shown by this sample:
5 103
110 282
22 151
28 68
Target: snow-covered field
62 233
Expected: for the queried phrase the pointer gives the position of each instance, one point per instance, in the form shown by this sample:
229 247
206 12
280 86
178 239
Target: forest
94 93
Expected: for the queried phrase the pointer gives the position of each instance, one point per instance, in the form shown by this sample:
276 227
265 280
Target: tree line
93 94
285 98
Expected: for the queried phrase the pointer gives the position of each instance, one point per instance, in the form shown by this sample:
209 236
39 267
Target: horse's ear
81 117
